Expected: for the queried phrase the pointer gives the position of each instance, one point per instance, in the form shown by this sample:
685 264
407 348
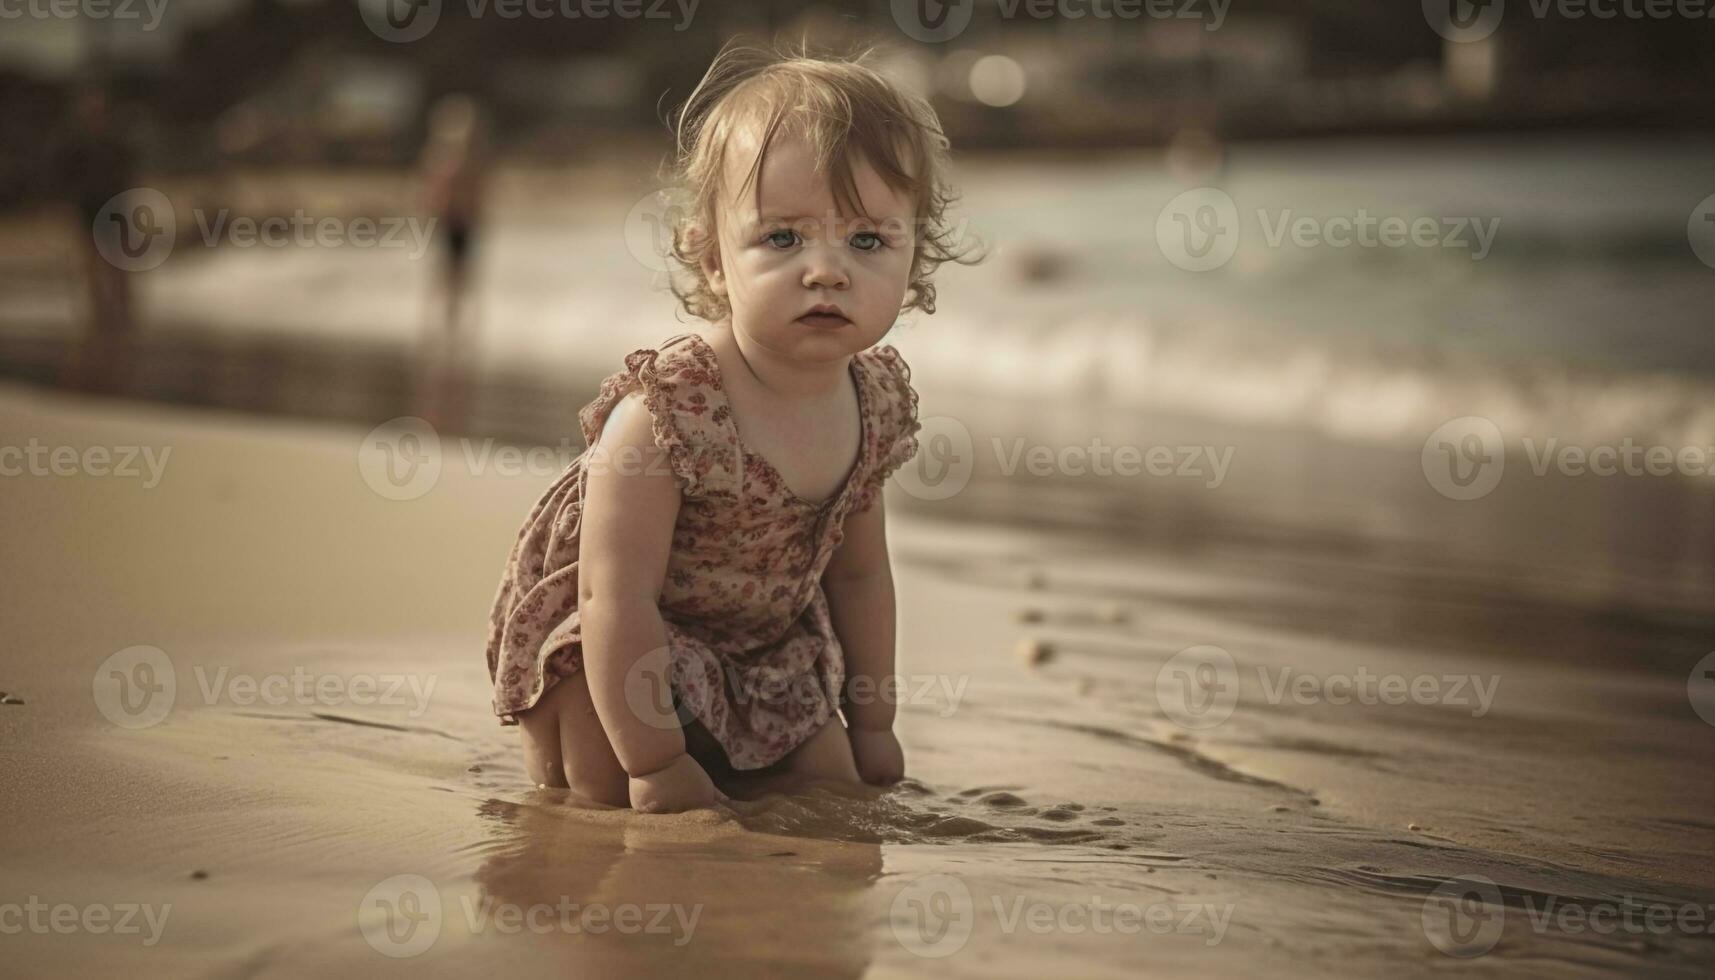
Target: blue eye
875 241
774 236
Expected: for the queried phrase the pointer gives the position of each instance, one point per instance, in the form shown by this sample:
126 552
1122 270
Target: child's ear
711 266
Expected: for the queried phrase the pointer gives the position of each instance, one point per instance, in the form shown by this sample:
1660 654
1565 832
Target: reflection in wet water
719 895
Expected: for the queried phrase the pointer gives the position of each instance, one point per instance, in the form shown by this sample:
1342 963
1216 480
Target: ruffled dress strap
892 422
681 387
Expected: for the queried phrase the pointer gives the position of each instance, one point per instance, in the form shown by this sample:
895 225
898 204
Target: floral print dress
753 653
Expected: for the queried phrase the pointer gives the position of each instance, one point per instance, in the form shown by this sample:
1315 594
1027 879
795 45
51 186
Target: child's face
798 252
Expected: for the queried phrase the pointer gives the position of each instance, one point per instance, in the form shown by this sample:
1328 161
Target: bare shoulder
627 451
614 432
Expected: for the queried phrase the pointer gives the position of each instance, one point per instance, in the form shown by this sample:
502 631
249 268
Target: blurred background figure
454 169
95 162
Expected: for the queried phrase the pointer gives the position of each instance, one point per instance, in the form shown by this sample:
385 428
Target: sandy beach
254 728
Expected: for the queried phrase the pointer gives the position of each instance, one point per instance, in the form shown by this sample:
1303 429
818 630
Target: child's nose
824 266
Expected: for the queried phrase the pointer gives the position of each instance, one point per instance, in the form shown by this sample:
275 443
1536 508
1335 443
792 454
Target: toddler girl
706 588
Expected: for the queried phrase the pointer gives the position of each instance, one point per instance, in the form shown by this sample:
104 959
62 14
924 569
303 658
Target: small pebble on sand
1033 651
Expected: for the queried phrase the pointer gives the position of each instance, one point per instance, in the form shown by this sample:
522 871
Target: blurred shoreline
1580 320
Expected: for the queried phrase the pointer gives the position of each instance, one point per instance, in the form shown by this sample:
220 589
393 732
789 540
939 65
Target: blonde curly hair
843 109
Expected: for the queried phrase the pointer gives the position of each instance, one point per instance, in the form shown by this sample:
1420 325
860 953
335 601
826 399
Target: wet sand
1064 816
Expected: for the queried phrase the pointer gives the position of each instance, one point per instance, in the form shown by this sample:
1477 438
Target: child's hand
880 760
681 785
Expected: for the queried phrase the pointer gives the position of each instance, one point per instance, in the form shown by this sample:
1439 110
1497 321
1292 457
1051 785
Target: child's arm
859 585
630 506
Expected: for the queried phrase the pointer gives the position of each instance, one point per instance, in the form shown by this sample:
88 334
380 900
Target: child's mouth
823 320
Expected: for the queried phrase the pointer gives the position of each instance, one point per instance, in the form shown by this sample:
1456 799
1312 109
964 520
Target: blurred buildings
206 82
